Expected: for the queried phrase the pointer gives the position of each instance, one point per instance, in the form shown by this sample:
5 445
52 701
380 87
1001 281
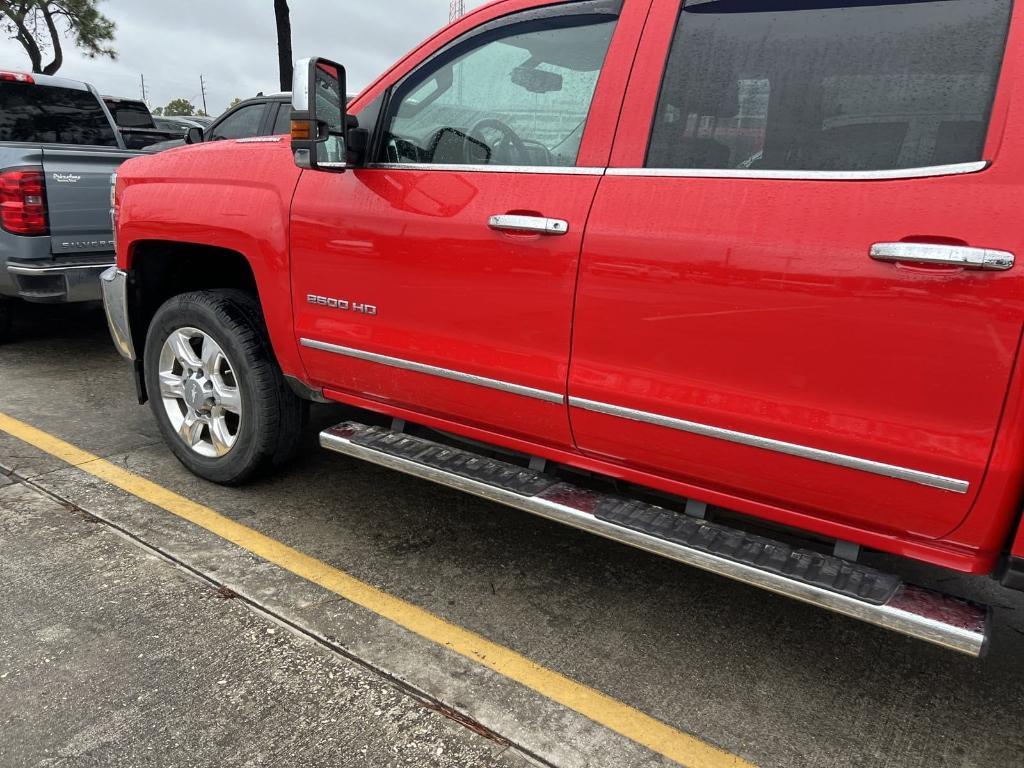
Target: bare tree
37 26
284 42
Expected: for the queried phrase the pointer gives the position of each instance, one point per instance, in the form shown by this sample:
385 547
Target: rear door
782 296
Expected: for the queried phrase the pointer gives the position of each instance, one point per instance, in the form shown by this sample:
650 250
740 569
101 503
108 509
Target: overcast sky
233 44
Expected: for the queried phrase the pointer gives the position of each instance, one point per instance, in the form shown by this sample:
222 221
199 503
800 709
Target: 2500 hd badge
342 304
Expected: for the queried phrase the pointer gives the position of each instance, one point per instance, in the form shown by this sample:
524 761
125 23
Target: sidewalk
111 656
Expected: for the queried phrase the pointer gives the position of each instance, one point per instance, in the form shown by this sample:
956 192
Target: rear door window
820 85
40 114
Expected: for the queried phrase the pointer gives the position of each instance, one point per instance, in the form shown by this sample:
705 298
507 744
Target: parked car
766 291
136 124
258 116
58 148
178 125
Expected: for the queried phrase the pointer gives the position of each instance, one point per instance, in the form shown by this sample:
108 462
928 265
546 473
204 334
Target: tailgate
78 197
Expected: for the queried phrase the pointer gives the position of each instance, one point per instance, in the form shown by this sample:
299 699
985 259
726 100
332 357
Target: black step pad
472 466
814 568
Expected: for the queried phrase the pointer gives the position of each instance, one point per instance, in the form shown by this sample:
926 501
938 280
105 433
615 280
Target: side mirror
319 115
194 135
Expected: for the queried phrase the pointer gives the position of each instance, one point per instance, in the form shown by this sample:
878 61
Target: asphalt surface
772 681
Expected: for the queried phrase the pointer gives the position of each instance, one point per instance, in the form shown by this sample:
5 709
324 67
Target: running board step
823 580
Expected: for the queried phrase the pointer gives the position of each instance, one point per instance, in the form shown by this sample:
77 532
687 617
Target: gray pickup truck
58 148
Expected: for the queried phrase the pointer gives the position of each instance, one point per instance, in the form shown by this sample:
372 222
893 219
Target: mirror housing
319 116
194 135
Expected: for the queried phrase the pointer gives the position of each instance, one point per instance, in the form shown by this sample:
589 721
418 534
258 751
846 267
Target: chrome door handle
949 255
536 224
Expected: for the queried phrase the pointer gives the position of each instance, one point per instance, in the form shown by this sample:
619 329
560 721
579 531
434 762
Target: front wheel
216 390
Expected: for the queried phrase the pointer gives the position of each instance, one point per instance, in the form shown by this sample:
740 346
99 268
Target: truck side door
441 277
796 294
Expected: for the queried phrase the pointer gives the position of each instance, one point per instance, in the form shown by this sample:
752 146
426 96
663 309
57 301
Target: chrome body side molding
778 446
433 370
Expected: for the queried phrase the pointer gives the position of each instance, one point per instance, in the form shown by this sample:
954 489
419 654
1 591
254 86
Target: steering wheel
509 150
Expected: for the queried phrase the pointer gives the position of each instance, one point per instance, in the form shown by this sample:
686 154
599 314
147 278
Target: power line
456 9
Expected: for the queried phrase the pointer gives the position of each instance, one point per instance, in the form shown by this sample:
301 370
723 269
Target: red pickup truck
729 281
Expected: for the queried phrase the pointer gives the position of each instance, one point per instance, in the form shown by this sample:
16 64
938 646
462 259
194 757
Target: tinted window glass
832 86
519 95
241 124
40 114
283 122
129 114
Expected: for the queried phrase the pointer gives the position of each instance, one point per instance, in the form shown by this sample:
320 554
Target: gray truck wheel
6 318
216 390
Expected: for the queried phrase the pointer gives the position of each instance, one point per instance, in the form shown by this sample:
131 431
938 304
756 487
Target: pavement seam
423 698
111 457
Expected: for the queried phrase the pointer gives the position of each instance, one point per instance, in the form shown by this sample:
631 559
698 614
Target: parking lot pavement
111 656
771 681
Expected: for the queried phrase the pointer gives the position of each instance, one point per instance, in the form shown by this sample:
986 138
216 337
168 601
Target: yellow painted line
601 708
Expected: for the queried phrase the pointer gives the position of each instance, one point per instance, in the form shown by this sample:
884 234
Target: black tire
6 318
272 430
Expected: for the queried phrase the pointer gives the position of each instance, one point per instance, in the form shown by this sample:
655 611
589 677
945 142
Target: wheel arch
162 269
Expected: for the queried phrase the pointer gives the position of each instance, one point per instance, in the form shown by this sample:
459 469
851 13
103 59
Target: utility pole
202 86
456 9
142 81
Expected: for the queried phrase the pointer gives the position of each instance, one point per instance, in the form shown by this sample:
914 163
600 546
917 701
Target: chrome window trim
957 169
433 370
546 169
778 446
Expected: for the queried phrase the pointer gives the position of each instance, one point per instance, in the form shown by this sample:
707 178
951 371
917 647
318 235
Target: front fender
232 195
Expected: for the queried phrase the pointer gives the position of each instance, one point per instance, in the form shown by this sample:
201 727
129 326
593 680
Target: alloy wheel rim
200 393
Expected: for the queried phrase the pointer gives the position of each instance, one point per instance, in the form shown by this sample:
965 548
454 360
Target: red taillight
16 77
23 202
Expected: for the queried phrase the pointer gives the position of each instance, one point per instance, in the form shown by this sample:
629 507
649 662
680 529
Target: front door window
519 95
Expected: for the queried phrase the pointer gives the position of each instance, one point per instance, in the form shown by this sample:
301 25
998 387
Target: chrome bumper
115 302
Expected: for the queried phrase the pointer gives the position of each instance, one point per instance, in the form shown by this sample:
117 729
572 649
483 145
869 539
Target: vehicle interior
518 99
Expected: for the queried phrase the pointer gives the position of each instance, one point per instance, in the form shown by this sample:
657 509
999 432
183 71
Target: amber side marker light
301 130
